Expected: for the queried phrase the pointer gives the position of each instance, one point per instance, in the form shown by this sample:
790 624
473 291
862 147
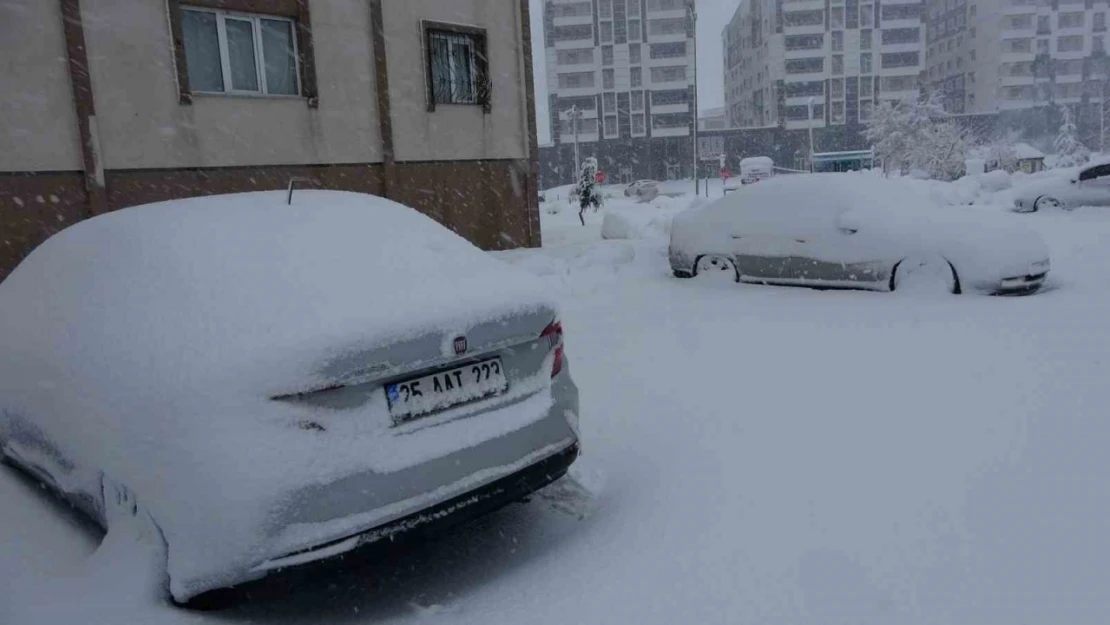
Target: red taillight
554 334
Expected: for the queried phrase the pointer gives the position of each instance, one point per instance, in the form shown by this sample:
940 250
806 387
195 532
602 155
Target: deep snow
753 454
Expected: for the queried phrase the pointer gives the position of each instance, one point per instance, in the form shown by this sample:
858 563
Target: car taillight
554 335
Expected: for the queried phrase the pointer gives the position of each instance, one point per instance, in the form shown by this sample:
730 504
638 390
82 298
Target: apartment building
838 56
987 56
627 65
111 103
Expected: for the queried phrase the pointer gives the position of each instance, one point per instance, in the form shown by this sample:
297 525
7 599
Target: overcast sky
712 17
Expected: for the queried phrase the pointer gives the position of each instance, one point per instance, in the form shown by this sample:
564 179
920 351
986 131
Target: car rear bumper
325 521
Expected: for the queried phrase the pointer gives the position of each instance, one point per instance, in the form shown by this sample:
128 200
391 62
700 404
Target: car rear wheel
1048 203
715 267
924 274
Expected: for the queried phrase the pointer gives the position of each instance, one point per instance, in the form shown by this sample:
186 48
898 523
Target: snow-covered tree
1070 151
909 135
587 191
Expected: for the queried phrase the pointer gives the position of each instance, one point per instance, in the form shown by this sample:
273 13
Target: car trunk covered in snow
224 358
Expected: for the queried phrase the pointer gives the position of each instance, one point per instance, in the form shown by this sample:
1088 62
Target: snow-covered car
756 168
1088 186
634 188
854 231
271 385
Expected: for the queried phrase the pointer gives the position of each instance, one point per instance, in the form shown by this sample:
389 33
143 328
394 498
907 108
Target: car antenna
289 199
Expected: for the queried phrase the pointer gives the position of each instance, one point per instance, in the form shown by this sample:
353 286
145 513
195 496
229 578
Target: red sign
599 177
725 173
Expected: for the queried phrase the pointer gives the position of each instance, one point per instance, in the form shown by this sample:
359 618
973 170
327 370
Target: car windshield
525 312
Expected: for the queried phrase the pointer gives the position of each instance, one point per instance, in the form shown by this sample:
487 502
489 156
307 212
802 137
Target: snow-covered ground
752 455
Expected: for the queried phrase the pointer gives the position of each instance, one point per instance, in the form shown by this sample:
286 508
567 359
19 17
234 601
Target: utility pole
573 114
810 134
693 16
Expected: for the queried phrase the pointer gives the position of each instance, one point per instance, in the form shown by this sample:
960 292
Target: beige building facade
111 103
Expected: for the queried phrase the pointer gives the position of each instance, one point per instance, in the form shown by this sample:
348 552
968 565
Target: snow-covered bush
587 191
1070 151
915 136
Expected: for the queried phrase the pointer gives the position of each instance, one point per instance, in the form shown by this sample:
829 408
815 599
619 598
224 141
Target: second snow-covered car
855 231
270 385
1088 186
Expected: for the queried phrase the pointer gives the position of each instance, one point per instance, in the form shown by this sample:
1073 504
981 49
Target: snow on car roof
757 160
244 282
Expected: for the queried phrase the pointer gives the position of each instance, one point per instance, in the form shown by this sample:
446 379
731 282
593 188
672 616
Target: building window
1042 46
801 112
580 56
865 39
606 55
865 87
837 64
971 32
836 17
576 80
574 9
608 80
1070 20
837 112
636 76
574 32
605 9
638 124
1021 22
901 35
807 88
671 96
634 54
667 50
1100 21
672 26
804 42
972 10
609 102
900 11
815 17
865 108
812 65
610 125
606 32
837 88
898 83
1097 44
668 74
236 53
838 41
866 16
456 65
634 30
1044 26
1020 45
865 63
634 8
671 120
1071 43
636 101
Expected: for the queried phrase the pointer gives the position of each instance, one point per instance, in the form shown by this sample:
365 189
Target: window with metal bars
457 66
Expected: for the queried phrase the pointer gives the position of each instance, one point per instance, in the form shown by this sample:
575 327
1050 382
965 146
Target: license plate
413 398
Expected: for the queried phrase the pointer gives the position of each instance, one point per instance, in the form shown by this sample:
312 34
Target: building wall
143 125
456 132
471 170
36 103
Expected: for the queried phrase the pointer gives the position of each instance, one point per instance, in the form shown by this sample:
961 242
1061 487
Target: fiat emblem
460 345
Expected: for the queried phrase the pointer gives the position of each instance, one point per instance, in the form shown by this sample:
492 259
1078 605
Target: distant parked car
270 385
633 188
1089 186
756 168
847 231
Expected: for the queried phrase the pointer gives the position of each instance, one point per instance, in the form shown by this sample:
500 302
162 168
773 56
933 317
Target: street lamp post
810 134
692 12
573 114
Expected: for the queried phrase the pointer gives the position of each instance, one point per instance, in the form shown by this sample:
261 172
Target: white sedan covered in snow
269 385
1086 186
855 231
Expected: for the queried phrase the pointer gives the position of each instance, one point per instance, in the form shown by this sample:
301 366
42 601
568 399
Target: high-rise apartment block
836 58
997 55
627 65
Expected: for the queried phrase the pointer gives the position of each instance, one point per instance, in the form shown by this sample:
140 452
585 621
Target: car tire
682 273
710 266
1049 203
925 273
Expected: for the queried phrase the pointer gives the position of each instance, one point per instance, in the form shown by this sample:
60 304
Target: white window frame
259 52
